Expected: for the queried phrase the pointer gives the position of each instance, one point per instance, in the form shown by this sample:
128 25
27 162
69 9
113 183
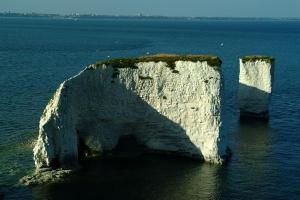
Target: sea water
37 54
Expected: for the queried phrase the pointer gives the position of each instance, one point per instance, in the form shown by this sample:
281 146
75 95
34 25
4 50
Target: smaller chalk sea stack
168 103
255 86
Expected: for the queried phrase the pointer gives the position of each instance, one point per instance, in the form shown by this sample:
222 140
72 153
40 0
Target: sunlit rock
45 176
169 104
255 86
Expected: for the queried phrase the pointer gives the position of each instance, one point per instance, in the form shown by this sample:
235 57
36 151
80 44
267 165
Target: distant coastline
76 16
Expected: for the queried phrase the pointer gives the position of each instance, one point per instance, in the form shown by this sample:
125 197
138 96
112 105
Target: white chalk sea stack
167 103
255 86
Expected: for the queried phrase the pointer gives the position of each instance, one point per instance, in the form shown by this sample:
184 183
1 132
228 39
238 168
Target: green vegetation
254 58
170 59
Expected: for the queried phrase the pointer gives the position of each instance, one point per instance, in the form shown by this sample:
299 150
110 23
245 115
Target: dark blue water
37 54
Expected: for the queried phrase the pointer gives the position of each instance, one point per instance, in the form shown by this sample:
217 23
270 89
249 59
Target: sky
189 8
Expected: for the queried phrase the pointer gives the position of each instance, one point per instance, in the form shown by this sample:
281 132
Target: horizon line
141 15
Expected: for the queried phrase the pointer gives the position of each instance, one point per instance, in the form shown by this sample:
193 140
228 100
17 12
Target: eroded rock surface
45 176
255 85
168 103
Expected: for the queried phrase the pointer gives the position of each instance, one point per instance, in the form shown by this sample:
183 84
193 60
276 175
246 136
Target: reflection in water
162 177
146 177
252 168
252 163
253 142
250 174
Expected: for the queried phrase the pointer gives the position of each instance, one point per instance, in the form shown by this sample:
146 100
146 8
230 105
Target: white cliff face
256 78
177 111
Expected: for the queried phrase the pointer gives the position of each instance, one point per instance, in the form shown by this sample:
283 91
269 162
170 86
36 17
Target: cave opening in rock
128 146
84 152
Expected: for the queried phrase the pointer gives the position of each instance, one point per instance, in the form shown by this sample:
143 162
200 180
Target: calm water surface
37 54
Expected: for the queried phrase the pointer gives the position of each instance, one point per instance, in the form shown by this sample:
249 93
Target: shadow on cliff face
253 103
115 121
124 124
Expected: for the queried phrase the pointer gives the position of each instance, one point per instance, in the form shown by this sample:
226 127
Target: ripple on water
16 158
